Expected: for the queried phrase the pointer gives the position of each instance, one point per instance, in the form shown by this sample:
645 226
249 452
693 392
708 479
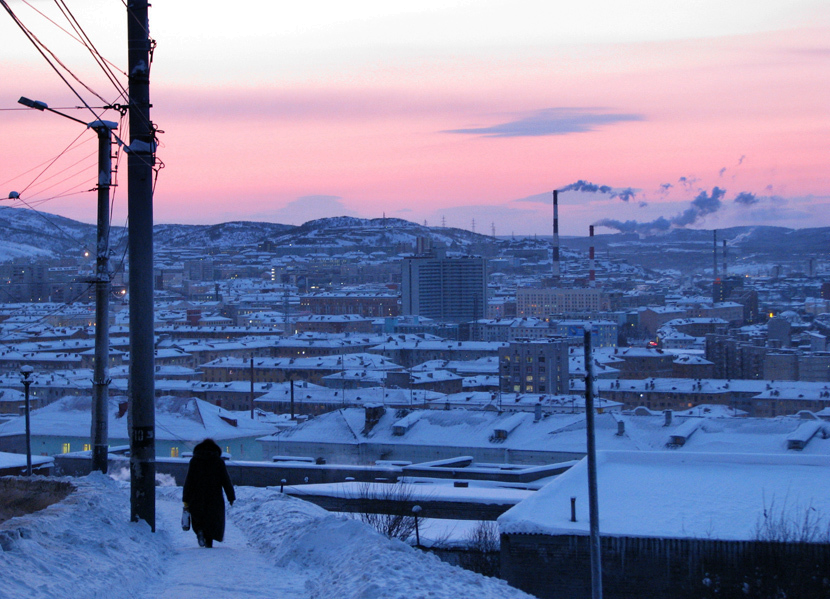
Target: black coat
206 477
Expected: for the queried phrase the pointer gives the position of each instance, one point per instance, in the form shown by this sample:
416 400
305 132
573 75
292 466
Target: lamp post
416 509
100 379
27 371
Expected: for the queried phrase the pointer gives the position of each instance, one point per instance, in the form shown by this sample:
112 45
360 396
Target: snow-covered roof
679 495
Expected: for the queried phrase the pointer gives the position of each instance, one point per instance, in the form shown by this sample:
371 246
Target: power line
55 159
43 50
87 43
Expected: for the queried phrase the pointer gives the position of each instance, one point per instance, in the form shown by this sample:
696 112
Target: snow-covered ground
275 546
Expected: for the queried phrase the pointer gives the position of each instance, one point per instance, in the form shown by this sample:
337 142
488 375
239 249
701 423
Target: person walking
206 477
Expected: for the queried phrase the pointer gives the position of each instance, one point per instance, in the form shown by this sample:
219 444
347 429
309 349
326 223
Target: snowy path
231 569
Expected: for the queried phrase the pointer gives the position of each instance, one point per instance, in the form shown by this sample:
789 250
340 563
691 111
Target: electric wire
87 43
51 162
27 171
43 50
63 170
80 41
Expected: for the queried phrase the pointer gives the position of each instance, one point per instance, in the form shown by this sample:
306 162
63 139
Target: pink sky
454 111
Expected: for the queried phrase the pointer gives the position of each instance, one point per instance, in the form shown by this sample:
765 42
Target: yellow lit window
87 447
66 448
174 452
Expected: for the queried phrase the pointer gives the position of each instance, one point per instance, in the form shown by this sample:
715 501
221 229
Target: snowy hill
28 233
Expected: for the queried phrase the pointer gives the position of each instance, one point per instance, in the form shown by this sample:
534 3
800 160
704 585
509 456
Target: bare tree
398 521
482 555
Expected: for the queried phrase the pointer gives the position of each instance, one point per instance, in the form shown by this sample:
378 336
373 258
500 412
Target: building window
87 447
174 452
66 448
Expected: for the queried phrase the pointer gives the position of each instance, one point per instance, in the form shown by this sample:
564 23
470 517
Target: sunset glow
447 110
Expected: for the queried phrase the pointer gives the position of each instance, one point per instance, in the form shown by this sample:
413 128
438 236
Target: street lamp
27 371
100 379
416 509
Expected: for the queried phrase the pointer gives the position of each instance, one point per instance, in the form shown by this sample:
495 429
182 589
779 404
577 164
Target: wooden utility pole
140 162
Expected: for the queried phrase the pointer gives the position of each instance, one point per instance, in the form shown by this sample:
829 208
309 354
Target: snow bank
350 559
83 546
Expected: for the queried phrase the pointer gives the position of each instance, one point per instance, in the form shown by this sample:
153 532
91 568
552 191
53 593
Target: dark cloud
643 204
741 159
746 199
721 171
550 121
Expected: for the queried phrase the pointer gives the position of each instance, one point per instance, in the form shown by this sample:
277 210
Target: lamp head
26 370
36 104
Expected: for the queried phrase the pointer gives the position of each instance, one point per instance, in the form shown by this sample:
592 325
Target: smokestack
557 273
715 255
724 259
592 272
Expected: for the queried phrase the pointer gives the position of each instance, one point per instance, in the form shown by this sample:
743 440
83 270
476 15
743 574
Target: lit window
87 447
66 448
174 452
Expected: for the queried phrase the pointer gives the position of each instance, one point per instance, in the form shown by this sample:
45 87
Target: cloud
721 171
550 121
306 208
540 198
746 198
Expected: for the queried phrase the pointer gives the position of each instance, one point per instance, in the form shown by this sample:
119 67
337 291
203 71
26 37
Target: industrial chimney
557 273
592 272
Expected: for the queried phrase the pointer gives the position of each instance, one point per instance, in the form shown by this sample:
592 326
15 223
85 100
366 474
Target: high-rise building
450 289
538 366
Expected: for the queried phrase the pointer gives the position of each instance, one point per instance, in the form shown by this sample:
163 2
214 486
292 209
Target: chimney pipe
667 414
592 272
724 259
537 412
557 273
715 255
620 428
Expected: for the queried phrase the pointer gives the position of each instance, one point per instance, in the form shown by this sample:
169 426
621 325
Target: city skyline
647 116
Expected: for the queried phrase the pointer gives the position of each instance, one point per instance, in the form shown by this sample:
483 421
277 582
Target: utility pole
252 387
27 371
593 502
140 162
100 379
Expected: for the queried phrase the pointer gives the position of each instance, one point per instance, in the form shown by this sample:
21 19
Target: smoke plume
626 194
703 205
746 199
